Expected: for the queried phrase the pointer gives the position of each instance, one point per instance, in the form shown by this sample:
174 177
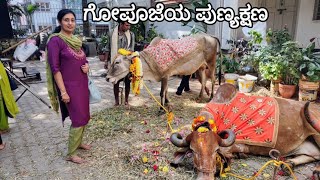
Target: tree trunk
86 25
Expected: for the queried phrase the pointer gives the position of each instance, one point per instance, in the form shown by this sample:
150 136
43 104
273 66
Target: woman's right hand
65 98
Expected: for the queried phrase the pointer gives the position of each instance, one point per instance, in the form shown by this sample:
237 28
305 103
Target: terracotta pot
287 91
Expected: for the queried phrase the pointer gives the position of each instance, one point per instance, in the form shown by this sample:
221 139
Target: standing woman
67 78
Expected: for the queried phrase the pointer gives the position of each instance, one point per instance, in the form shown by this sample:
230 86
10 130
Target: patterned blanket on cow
168 52
254 119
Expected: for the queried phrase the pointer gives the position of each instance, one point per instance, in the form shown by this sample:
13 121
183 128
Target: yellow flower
266 175
124 52
211 121
214 129
156 144
201 118
170 117
165 169
144 159
146 171
202 129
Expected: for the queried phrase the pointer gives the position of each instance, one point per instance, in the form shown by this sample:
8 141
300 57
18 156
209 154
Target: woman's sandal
76 159
85 146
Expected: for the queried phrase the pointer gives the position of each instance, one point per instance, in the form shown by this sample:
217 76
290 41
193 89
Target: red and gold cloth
254 119
167 51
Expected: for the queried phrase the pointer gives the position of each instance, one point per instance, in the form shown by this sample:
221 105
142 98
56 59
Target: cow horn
177 140
230 139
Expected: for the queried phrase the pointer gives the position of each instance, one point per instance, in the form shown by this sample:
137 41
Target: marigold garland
124 52
136 71
201 119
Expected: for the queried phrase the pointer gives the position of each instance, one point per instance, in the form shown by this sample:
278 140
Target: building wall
173 30
46 18
306 27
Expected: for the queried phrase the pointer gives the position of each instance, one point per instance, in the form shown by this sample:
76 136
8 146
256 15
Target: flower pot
231 78
274 86
308 90
246 83
287 91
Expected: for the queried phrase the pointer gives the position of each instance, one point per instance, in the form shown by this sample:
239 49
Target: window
316 14
43 6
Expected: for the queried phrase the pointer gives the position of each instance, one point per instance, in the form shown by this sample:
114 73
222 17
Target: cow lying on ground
292 134
164 58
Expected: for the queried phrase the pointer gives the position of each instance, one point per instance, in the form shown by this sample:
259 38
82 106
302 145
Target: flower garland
135 69
201 119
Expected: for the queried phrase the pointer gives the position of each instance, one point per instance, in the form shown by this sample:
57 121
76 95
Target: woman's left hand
85 68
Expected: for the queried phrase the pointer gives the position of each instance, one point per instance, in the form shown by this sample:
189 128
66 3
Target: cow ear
133 54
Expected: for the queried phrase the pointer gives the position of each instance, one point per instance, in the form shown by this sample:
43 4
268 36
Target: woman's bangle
63 93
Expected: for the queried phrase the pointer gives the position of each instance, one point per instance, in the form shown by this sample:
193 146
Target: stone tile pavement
36 144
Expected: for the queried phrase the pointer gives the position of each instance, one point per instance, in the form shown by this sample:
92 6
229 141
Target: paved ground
37 141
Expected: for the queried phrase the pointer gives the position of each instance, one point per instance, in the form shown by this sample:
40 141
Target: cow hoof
316 175
199 99
284 170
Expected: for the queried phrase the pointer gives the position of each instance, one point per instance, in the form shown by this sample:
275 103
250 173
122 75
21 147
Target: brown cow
296 140
204 53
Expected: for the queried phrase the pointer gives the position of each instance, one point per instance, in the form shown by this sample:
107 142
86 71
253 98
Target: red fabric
254 119
167 51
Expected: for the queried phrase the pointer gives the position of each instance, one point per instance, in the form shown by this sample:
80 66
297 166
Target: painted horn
177 140
229 140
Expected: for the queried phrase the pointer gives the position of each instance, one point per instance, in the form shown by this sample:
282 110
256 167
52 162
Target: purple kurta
62 58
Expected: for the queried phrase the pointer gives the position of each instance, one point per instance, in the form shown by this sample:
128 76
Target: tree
29 9
86 24
200 27
15 11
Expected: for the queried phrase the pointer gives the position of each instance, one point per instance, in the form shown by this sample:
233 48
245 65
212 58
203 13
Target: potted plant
309 67
290 74
102 44
272 60
230 68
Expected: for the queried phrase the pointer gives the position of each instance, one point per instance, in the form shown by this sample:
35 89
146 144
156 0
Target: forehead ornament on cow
201 120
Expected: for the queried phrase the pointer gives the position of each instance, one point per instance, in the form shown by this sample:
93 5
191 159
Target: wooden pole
22 41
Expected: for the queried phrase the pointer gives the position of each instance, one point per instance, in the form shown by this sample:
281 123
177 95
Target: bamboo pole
22 41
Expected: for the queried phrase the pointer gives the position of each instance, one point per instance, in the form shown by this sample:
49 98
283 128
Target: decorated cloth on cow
254 119
167 52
